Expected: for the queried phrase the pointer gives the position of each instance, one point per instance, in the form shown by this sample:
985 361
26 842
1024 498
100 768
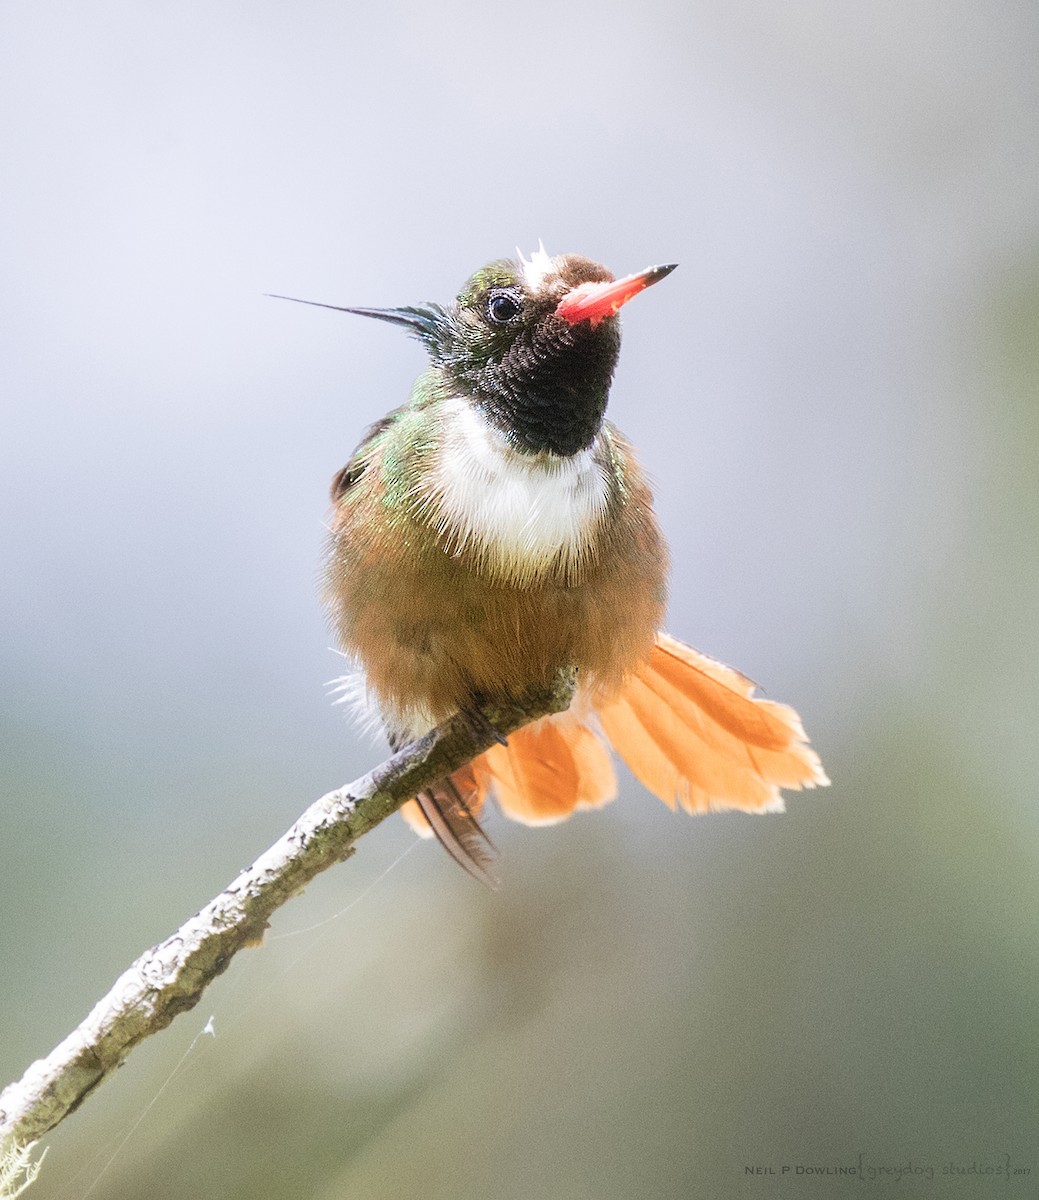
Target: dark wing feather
457 830
448 809
345 478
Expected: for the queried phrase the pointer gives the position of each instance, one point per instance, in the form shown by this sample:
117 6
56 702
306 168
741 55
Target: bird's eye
503 307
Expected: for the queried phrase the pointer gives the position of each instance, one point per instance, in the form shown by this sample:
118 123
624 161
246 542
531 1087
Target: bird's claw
481 726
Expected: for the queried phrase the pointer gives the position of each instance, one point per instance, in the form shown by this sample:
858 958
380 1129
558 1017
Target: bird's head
531 343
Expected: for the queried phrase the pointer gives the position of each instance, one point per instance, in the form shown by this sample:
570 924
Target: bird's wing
450 811
347 476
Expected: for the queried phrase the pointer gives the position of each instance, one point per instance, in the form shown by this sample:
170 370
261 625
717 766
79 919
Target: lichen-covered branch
170 978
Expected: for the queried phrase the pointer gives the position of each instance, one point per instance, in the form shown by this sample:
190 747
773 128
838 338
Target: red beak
594 301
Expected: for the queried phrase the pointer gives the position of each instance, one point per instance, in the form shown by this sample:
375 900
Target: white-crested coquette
495 529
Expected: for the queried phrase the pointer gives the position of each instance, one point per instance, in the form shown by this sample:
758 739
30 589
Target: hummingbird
497 528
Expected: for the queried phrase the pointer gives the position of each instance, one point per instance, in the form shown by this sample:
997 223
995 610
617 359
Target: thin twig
170 978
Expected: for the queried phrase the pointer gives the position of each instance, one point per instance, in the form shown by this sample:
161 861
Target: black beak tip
655 274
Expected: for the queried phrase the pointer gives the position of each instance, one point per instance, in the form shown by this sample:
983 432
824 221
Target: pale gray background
836 397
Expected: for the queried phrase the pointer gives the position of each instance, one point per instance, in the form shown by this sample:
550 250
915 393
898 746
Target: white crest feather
537 267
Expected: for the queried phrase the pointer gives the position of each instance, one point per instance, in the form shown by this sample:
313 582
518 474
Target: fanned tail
691 730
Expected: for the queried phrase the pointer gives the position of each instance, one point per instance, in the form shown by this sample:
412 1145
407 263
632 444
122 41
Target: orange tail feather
688 727
690 730
549 769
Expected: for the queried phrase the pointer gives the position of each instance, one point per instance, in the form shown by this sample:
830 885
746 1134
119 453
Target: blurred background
836 397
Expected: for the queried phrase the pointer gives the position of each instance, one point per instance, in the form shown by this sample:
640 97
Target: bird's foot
481 726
